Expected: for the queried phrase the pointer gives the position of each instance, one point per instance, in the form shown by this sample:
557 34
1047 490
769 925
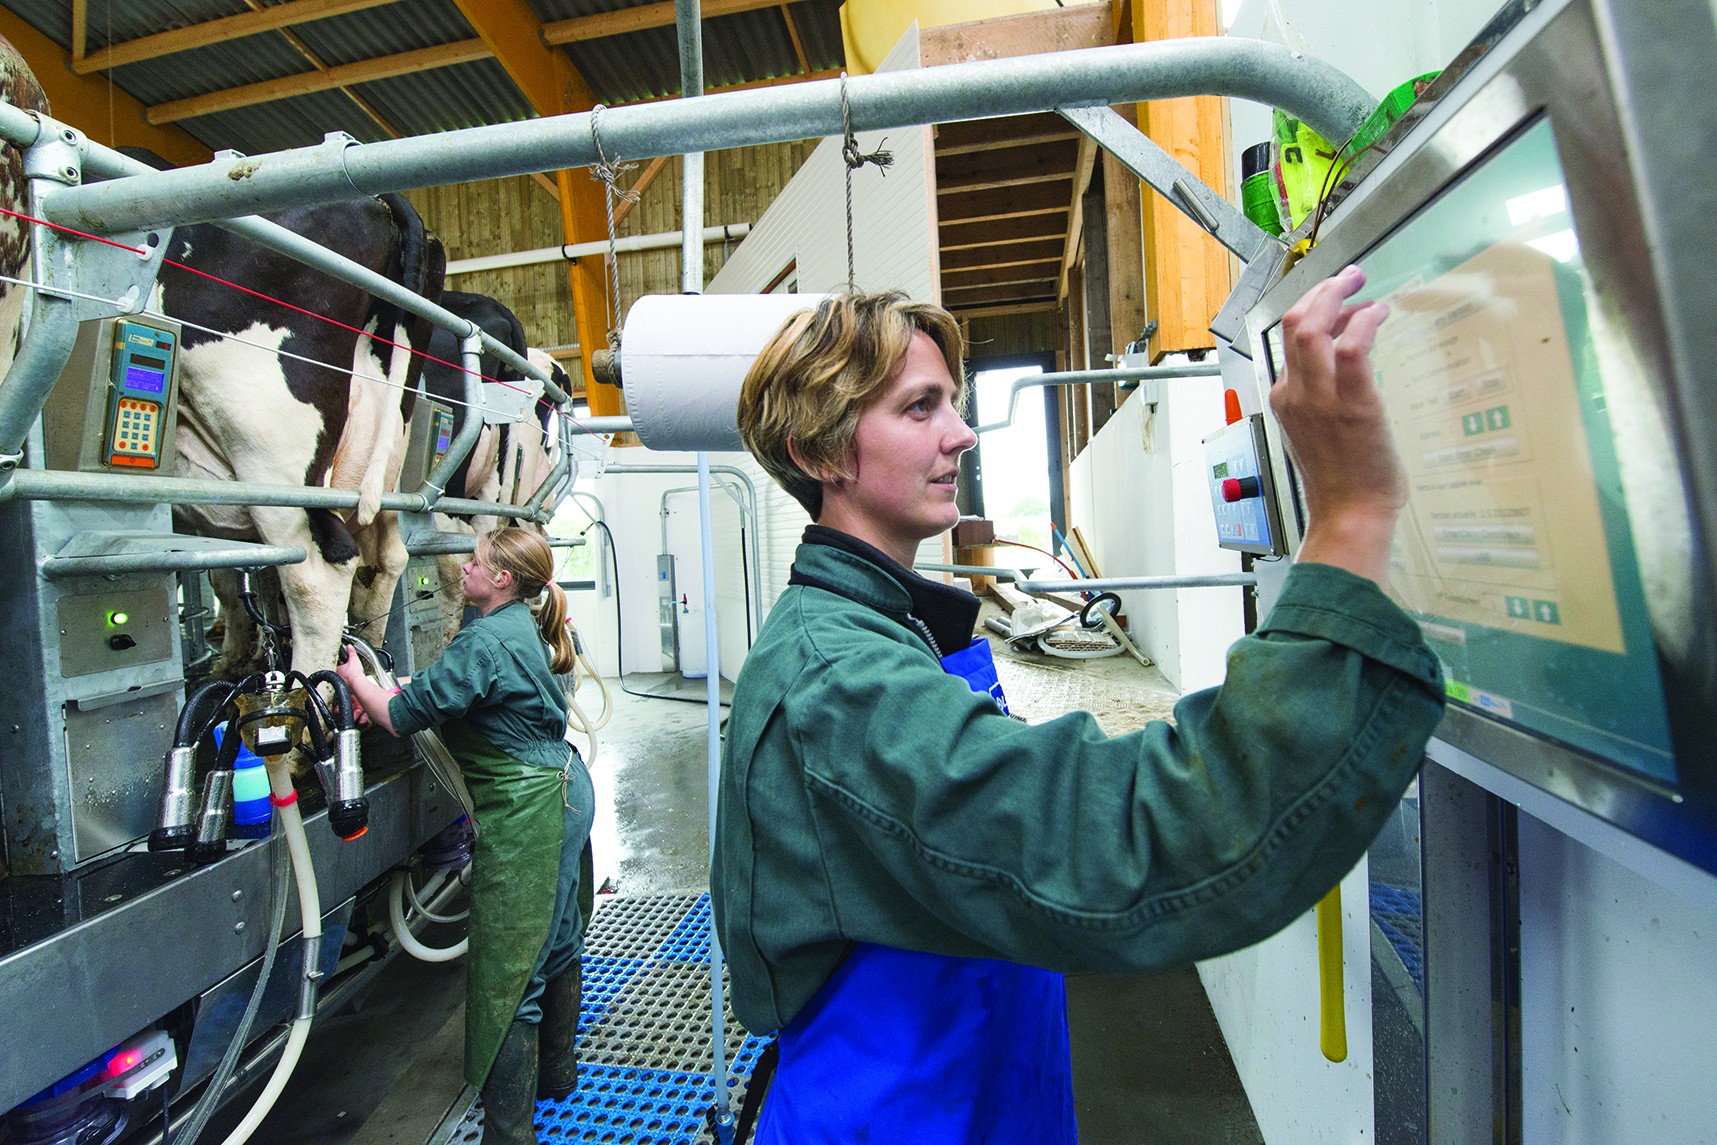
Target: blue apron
926 1048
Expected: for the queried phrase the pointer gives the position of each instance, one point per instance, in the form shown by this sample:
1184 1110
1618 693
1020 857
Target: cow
512 456
19 87
271 394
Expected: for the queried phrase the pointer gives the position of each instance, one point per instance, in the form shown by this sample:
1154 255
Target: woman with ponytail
493 694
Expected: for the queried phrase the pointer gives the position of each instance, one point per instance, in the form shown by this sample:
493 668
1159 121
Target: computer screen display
1517 550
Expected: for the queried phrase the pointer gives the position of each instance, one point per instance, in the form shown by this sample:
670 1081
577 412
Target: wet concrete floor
1149 1063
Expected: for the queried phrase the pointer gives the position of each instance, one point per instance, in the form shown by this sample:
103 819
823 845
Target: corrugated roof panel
213 68
402 26
637 65
442 99
747 46
819 27
116 21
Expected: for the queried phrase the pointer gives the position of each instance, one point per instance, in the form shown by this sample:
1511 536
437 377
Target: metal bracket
1258 276
101 280
1138 153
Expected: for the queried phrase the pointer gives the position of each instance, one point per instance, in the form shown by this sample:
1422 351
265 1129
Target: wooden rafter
1083 167
639 186
1001 232
749 85
208 32
1005 202
658 15
363 71
793 34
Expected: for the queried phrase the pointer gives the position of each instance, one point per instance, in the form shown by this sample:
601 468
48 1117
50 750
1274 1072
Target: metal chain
607 171
855 159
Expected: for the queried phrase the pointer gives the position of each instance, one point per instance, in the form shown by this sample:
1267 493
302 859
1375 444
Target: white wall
893 248
1619 1000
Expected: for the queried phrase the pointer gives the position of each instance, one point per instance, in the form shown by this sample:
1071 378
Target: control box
114 405
1242 493
429 437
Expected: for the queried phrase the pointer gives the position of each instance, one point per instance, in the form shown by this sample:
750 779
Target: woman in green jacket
493 693
901 872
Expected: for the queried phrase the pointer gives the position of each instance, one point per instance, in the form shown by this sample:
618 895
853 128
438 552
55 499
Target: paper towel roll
683 358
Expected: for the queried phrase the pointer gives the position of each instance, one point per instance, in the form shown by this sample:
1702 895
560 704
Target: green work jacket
495 674
868 796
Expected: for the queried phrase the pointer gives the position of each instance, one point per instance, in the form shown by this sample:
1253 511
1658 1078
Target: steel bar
41 356
1324 98
108 164
1141 155
1087 377
1124 583
182 560
63 485
1096 584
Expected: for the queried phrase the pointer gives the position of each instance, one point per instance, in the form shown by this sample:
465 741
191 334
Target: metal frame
1597 69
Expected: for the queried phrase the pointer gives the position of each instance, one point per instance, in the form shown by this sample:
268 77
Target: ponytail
552 627
527 556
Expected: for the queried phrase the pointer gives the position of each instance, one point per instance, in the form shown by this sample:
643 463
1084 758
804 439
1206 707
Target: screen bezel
1555 66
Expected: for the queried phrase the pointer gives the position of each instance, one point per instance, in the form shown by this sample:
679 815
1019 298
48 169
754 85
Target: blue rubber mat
1399 914
644 1032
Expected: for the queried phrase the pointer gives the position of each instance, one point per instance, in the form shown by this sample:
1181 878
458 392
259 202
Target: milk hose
199 1117
310 908
401 929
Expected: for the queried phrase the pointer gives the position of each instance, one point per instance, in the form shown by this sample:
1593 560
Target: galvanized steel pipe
1324 98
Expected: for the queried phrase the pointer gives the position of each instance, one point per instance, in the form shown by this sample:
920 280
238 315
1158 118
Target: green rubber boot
509 1096
557 1075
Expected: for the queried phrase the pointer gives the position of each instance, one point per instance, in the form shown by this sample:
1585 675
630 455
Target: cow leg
381 562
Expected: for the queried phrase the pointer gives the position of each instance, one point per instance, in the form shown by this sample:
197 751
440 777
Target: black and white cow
287 398
514 452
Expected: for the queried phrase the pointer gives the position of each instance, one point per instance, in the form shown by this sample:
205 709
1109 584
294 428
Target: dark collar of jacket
949 614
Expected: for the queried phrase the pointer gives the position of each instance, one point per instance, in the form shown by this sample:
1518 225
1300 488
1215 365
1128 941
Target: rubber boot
557 1074
509 1096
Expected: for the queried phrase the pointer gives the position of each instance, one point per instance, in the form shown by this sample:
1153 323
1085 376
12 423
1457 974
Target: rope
855 159
606 171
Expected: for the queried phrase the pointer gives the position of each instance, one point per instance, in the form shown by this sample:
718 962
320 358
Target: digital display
1516 552
145 379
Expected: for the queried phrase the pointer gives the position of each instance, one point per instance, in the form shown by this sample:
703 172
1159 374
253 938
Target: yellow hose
1332 1009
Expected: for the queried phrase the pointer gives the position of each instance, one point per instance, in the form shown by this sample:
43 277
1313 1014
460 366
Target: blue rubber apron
901 1046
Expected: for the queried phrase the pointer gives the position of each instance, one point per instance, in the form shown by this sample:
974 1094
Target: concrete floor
1149 1062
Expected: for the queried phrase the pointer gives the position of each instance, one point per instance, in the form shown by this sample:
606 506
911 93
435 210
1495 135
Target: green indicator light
117 618
422 582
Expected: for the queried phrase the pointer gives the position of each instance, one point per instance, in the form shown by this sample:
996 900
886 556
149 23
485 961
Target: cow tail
421 274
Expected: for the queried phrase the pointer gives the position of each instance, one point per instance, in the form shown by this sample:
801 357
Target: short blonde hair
823 369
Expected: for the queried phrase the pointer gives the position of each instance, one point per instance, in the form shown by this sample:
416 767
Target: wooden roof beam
206 33
658 15
364 71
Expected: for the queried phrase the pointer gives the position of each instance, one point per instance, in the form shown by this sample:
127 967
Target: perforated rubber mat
644 1032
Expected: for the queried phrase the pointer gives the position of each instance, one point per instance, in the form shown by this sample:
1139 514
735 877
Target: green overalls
504 720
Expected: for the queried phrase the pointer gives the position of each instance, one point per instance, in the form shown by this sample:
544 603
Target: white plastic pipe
310 908
568 252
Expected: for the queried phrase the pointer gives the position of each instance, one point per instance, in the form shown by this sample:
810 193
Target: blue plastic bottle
252 813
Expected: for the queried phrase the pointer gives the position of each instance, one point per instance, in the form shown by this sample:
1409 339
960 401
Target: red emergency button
1239 488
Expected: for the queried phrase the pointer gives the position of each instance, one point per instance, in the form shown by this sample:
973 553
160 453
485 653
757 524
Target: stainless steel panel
86 632
115 786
